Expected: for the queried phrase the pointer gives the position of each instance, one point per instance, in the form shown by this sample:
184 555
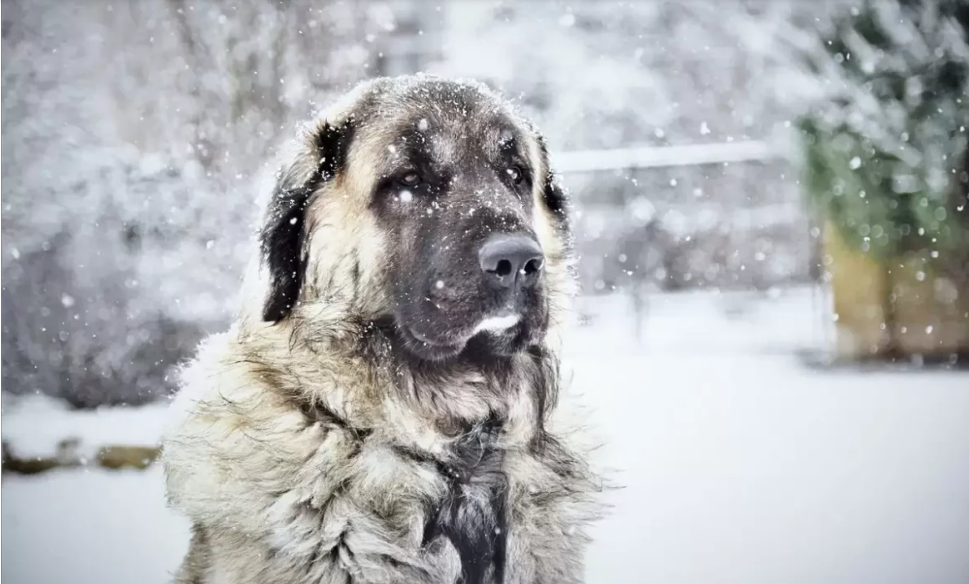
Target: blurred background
771 215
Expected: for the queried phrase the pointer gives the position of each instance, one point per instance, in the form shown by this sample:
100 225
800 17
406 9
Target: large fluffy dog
382 411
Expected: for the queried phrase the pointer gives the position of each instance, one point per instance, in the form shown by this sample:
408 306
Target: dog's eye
515 174
411 179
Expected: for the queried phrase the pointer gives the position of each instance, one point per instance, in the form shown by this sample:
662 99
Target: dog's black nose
511 260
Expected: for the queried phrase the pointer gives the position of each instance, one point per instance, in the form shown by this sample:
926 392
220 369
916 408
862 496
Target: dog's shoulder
555 497
232 440
225 390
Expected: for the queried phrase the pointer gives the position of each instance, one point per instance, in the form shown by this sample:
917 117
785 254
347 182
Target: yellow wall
931 315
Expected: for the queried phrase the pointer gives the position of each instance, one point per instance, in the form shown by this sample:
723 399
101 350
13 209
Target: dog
384 408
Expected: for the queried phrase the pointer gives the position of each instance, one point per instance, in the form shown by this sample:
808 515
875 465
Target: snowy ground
34 425
739 464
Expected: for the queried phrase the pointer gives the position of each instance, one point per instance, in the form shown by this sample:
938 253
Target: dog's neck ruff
420 405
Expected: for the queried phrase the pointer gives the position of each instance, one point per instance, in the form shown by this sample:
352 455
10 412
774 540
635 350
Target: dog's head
424 203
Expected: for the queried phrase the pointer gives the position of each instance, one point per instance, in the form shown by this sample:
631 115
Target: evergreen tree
886 148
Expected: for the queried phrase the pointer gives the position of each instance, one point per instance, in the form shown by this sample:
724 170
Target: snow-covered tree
134 135
886 139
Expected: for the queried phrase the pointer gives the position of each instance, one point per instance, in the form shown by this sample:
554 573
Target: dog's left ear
553 194
322 154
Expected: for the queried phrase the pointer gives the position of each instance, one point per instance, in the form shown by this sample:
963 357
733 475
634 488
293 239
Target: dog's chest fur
465 510
472 513
288 478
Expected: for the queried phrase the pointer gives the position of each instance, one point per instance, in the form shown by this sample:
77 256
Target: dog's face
428 204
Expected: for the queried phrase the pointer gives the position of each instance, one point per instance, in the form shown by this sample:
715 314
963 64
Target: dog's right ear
321 157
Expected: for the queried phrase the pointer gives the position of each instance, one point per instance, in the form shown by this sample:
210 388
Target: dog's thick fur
317 441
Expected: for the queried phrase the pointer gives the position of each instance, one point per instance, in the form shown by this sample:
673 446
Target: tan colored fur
289 450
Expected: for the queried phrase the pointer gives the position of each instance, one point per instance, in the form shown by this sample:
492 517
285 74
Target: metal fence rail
667 156
726 214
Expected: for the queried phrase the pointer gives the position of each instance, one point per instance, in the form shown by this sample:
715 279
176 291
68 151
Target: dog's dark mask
455 196
466 264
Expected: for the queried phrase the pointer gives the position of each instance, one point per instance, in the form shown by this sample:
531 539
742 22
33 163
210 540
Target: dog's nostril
503 268
532 267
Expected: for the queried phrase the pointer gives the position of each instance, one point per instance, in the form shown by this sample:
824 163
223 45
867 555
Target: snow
36 424
742 465
739 463
88 526
744 469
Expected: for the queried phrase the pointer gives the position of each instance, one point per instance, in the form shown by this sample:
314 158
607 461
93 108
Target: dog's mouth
496 324
496 331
